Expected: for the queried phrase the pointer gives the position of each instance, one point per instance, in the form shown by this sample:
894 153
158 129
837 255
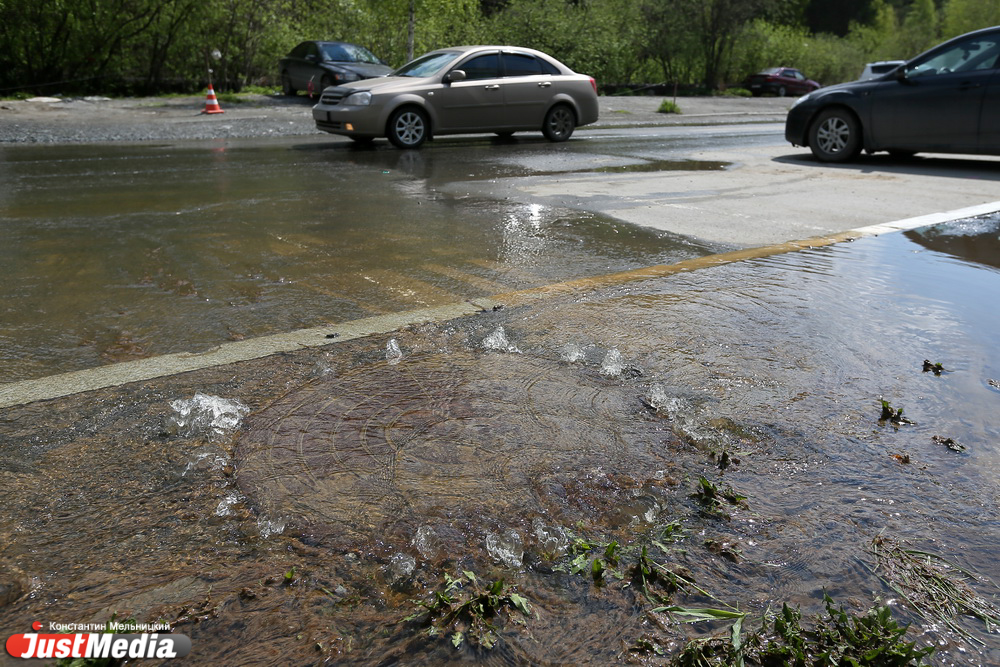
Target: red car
779 81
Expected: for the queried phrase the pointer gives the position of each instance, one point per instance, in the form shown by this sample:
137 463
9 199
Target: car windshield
965 56
428 64
349 53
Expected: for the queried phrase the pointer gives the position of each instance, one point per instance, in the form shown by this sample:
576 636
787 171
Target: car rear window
520 64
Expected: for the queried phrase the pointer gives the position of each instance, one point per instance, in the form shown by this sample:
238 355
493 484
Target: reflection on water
368 471
118 252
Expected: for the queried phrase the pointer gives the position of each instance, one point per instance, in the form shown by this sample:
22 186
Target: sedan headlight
361 99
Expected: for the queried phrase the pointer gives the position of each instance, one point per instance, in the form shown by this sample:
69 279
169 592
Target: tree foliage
149 46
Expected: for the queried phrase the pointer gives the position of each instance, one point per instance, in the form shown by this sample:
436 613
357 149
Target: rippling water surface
362 474
113 253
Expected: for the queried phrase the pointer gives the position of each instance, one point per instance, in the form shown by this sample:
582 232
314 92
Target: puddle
114 253
366 472
667 165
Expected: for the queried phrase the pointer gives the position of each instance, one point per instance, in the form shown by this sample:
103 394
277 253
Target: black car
946 100
312 66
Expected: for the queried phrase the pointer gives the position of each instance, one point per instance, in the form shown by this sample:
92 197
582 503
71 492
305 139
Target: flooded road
320 495
118 252
737 435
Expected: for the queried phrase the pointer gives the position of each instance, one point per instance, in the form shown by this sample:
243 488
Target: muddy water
376 467
117 252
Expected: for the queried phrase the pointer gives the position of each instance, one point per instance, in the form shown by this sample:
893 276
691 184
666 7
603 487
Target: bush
668 106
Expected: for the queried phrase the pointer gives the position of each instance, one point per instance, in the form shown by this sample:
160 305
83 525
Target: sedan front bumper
797 125
350 121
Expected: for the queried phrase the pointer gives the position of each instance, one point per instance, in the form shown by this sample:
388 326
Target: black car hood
364 70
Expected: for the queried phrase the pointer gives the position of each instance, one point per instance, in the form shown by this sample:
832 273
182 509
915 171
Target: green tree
962 16
876 40
714 26
920 30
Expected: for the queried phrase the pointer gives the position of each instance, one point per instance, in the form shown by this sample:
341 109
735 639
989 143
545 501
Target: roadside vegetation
158 46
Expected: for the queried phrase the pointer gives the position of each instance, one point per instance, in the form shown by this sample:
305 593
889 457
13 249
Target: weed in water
872 640
892 415
949 443
712 496
466 611
937 369
936 589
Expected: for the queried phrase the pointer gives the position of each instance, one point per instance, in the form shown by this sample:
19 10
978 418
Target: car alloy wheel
560 121
835 136
408 128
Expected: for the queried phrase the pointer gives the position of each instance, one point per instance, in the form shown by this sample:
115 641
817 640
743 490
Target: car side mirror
454 76
900 74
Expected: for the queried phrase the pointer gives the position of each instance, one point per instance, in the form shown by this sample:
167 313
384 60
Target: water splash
206 415
427 542
552 540
268 528
498 342
658 398
613 364
392 352
401 566
506 548
225 507
571 353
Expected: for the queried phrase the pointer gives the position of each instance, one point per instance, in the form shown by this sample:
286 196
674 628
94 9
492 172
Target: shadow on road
965 167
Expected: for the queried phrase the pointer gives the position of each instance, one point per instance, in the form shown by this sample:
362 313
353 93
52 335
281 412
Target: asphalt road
769 192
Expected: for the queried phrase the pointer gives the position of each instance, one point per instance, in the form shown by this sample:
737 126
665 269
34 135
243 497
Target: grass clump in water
467 611
874 639
935 588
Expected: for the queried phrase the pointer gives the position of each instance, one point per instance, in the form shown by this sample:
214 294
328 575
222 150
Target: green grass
668 106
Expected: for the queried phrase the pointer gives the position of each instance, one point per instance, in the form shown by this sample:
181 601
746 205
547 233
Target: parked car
312 66
872 70
500 89
946 100
779 81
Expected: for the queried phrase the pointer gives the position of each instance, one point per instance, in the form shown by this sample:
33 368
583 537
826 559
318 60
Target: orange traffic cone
212 104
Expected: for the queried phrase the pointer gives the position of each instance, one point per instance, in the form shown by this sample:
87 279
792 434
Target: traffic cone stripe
212 104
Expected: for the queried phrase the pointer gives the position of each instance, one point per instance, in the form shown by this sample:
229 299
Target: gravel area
98 119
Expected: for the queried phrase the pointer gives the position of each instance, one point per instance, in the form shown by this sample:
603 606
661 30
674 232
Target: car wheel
559 123
781 91
835 136
286 85
408 128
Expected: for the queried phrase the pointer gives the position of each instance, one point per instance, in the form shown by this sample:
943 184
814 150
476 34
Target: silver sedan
469 89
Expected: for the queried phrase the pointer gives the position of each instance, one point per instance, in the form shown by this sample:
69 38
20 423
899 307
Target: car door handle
968 85
495 86
544 84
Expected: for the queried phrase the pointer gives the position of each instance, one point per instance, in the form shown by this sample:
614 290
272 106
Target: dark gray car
312 66
946 100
